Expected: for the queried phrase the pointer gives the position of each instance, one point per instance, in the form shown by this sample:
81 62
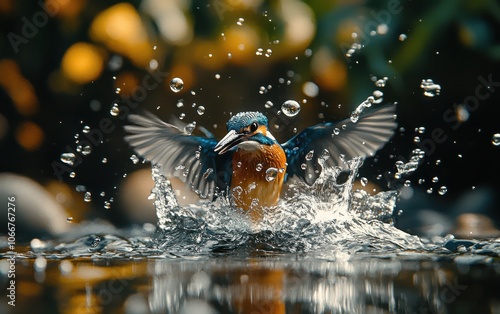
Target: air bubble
176 84
290 108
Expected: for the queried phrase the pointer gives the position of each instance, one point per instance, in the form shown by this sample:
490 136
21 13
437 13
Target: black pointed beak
229 141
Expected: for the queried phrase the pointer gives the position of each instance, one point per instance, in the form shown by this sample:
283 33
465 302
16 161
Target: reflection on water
259 283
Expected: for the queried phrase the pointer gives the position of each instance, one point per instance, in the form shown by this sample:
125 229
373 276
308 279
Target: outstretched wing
342 139
189 158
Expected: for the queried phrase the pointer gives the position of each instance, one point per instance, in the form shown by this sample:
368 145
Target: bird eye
253 127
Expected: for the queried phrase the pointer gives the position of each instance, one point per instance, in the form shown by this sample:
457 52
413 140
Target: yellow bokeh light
120 28
82 63
18 87
29 135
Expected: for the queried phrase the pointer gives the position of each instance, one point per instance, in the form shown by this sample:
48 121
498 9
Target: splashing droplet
134 159
495 140
189 128
271 174
364 181
442 190
114 110
176 84
86 150
290 108
200 110
69 219
68 158
430 89
87 197
310 155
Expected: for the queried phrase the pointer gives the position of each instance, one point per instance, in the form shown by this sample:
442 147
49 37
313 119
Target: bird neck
257 178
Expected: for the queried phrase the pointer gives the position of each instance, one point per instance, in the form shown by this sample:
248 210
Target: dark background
45 102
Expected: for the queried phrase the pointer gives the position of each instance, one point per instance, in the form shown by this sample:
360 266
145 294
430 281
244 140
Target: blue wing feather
363 138
189 158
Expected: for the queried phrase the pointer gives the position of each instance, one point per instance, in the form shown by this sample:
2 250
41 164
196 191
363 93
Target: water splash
327 215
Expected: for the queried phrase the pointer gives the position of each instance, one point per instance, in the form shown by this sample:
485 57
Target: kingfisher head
246 130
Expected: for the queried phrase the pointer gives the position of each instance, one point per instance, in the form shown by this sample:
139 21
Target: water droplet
81 188
134 159
402 37
182 116
268 104
207 173
290 108
197 154
238 164
114 110
268 53
86 150
40 264
200 110
495 140
271 174
442 190
86 129
180 103
240 21
429 191
72 174
435 180
107 205
416 139
217 76
438 162
381 82
336 131
258 167
87 197
430 89
118 90
104 160
69 219
407 183
303 166
377 94
189 128
310 155
364 181
68 158
176 84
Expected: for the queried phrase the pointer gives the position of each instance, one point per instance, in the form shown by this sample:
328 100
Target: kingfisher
248 164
